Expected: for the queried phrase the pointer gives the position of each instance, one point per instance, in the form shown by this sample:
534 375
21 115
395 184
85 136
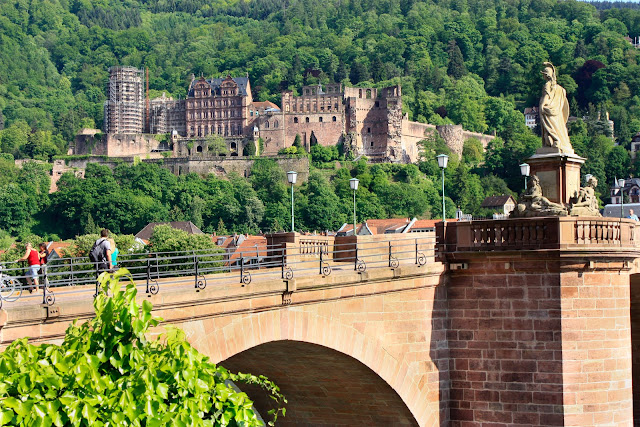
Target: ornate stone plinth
559 174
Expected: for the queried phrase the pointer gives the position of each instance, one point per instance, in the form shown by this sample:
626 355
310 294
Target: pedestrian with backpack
100 253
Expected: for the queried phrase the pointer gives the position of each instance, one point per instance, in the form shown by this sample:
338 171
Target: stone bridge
516 322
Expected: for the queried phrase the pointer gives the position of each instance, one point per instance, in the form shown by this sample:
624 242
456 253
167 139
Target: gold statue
554 112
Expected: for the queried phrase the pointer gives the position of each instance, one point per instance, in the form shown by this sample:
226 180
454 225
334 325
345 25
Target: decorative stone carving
554 112
584 202
534 204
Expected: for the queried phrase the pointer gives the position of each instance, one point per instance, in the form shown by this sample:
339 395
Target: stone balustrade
537 233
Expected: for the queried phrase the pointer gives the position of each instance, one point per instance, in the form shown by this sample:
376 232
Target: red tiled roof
252 246
58 248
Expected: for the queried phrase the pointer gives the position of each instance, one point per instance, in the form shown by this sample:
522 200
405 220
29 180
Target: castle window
199 130
276 124
295 120
219 130
360 93
368 93
286 108
226 102
233 113
372 143
234 146
266 124
368 130
377 103
199 149
306 119
333 118
251 113
226 130
320 119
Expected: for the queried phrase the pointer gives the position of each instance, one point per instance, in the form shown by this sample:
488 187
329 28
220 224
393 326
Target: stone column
559 174
539 321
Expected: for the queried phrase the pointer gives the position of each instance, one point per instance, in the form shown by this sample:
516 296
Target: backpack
97 252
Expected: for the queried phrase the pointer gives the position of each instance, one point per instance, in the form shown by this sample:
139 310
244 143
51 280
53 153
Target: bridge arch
225 337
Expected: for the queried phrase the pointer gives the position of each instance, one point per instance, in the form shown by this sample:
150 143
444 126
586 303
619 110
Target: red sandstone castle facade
367 120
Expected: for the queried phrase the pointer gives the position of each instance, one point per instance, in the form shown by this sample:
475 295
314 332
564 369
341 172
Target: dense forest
473 62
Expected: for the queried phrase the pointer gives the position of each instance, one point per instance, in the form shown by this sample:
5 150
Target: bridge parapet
538 233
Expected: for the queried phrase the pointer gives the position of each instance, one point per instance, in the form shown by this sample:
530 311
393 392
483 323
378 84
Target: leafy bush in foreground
106 373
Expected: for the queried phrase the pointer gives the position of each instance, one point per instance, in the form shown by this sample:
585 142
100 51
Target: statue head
592 181
549 71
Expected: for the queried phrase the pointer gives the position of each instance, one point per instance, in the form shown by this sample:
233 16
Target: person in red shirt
33 258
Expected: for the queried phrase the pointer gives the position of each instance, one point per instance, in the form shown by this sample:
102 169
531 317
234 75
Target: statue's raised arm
554 112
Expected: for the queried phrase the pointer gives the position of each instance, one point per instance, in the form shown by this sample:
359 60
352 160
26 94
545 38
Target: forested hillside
474 62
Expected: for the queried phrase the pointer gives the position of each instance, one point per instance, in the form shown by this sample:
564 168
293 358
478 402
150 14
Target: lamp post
443 159
292 177
353 183
524 170
621 185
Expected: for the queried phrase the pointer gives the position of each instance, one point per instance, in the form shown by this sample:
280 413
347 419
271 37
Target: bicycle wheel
10 289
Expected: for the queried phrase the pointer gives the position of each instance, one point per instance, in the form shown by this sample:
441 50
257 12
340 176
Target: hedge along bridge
514 322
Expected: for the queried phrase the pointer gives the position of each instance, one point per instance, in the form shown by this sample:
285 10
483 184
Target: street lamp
524 170
443 159
292 177
621 185
353 183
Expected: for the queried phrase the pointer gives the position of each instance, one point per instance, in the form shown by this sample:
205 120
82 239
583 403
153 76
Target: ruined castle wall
412 134
484 139
117 145
221 166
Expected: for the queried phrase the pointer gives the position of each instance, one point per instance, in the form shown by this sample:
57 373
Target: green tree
456 67
168 239
216 145
121 377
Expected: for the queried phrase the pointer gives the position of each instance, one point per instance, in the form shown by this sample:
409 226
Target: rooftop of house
378 226
188 226
57 248
493 201
264 105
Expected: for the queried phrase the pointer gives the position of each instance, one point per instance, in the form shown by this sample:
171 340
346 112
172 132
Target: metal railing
76 278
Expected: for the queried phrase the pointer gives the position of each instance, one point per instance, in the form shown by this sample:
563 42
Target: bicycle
10 287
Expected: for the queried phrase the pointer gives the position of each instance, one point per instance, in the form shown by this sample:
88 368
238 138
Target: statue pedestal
559 174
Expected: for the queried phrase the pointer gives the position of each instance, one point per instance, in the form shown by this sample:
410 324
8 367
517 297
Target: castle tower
124 108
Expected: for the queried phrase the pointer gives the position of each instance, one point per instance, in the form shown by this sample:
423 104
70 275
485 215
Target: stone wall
118 145
221 166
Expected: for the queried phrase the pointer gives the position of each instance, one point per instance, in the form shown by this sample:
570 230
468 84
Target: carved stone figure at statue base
584 202
534 204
